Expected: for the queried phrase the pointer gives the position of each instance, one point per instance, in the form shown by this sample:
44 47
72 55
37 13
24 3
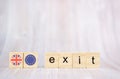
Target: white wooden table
60 26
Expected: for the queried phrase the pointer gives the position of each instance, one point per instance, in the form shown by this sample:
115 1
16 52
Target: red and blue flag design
16 59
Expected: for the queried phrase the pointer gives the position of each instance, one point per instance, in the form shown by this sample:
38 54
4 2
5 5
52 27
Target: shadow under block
79 60
92 60
16 60
51 60
30 59
65 60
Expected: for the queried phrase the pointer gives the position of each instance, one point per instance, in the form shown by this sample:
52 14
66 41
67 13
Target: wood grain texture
61 26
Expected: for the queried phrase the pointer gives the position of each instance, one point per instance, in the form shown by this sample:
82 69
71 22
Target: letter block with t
92 60
51 60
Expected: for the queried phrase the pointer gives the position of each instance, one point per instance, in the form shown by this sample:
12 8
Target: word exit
72 60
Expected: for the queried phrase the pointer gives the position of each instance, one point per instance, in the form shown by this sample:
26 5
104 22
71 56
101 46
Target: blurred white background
61 26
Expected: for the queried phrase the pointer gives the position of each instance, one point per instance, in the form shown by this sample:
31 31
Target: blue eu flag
30 59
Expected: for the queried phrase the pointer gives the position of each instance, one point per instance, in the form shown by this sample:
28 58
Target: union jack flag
16 60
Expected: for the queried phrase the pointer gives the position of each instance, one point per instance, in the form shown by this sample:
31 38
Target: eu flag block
16 60
30 60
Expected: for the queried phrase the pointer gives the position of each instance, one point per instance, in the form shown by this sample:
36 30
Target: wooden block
92 60
65 60
16 60
51 60
79 60
30 59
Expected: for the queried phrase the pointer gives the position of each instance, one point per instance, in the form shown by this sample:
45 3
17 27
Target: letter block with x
65 60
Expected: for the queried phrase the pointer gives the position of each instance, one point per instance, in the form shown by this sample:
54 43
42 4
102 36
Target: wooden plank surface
60 26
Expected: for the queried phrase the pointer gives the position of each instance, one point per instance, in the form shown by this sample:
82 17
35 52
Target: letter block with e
51 60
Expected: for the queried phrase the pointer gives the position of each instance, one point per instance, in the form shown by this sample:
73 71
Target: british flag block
16 60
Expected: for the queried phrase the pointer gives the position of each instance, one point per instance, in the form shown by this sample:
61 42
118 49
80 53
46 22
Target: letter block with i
51 60
92 60
79 60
